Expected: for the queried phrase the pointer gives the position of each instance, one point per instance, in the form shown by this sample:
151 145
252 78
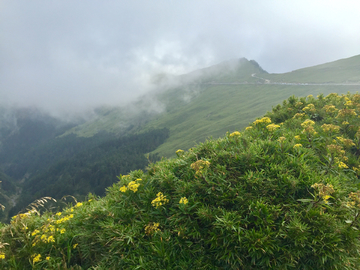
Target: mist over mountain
43 155
68 58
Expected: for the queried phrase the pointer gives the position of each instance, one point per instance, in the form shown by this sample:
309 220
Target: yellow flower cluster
342 165
346 142
298 104
152 228
330 128
179 152
335 149
78 204
183 200
133 186
22 216
299 115
272 127
2 256
348 103
235 133
298 145
307 123
330 108
345 123
159 200
64 219
354 199
346 112
308 127
297 137
310 107
248 128
199 166
264 120
324 191
36 258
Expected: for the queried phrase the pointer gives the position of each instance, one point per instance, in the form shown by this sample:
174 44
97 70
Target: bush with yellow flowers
281 194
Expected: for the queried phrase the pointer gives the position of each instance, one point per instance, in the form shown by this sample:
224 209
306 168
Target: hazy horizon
67 57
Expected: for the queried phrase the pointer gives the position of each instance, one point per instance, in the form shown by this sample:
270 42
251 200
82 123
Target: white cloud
71 55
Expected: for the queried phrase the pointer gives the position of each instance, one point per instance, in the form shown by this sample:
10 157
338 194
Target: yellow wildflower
297 137
298 104
2 256
342 165
307 123
345 123
324 191
151 228
330 108
199 166
78 204
183 200
47 258
235 133
179 152
36 258
299 115
330 127
310 107
297 145
123 189
346 142
272 127
51 239
265 120
248 128
75 245
346 112
159 200
35 232
133 186
58 213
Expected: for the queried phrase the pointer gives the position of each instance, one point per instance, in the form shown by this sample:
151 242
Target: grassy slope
216 109
280 198
219 109
343 70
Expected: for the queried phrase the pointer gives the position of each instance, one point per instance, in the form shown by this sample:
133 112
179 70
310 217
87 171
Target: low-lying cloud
68 56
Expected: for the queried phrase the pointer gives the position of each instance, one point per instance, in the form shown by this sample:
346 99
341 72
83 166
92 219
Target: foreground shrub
283 194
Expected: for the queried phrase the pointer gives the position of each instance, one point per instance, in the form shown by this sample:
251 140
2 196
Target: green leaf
305 200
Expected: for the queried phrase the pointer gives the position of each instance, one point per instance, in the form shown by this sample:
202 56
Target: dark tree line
83 165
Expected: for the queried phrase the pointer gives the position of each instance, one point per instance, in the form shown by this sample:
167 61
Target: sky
68 56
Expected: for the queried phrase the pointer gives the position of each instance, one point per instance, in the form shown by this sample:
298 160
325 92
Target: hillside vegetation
281 194
225 97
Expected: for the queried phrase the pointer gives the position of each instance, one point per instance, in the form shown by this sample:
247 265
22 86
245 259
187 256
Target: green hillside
340 71
281 194
208 102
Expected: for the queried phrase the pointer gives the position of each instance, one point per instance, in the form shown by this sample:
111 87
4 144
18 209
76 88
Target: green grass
219 109
340 71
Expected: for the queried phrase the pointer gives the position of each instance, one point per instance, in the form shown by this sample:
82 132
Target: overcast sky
69 55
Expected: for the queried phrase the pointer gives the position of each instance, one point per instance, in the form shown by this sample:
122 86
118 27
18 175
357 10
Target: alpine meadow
227 167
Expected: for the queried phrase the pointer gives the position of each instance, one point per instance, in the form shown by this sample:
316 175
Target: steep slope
281 194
